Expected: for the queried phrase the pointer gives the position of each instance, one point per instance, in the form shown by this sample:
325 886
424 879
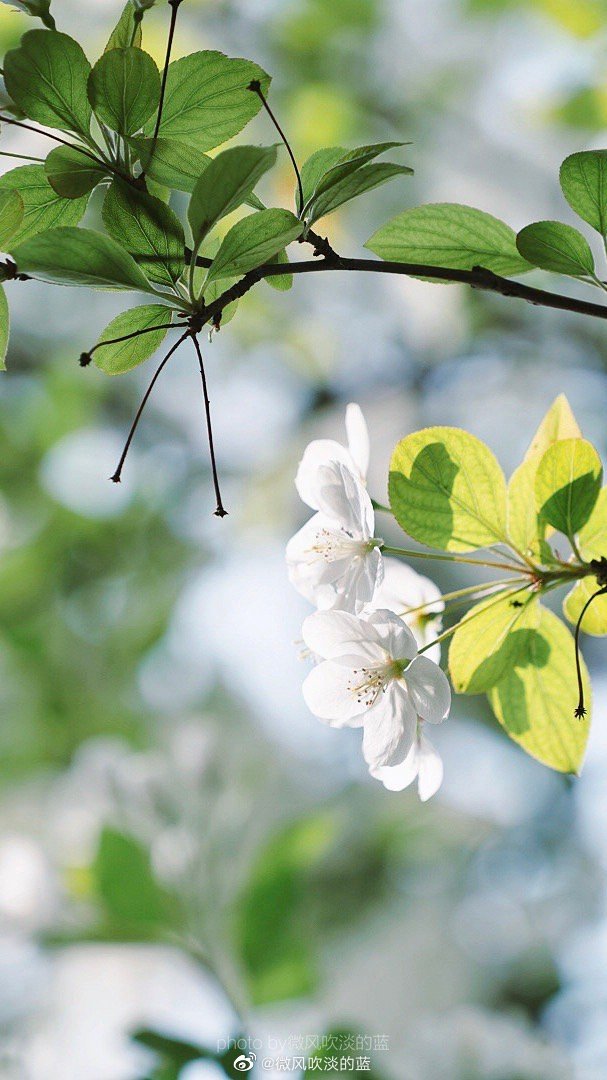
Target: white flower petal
404 588
327 692
389 727
394 633
429 689
430 769
334 633
318 453
358 439
342 497
398 777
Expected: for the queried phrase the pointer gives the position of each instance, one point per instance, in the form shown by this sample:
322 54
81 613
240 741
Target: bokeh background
183 847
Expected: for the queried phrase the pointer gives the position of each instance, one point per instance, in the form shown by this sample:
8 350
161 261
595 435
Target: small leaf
254 240
567 484
525 528
4 328
80 257
148 229
208 100
176 1051
280 282
584 184
116 359
127 888
488 642
447 490
71 173
328 168
12 212
558 423
225 184
535 702
551 245
317 165
595 619
127 31
47 78
449 235
40 9
43 208
357 183
173 163
124 89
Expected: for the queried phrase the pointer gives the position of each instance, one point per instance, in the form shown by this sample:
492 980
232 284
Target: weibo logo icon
245 1062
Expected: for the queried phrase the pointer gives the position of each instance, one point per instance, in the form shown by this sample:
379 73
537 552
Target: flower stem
468 618
409 553
469 590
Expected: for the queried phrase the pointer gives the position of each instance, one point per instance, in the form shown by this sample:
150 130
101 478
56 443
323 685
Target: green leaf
525 528
535 702
449 235
4 328
592 537
595 619
567 484
44 209
176 1051
254 240
551 245
80 257
281 282
173 163
329 168
40 9
148 229
225 184
447 490
208 100
47 78
116 359
584 184
126 885
12 212
317 166
558 423
71 173
359 182
124 89
127 31
488 642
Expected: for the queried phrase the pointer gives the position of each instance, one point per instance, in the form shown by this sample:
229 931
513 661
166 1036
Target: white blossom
324 451
335 560
371 676
403 590
422 763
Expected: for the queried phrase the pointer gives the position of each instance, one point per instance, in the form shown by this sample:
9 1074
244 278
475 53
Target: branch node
85 359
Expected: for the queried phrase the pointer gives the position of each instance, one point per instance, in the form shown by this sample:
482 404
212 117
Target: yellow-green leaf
567 484
125 355
592 537
489 641
558 423
447 490
595 619
535 702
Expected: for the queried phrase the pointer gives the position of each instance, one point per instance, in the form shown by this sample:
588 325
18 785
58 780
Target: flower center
330 545
368 683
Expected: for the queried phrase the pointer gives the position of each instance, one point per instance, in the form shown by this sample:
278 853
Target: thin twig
255 87
86 357
174 5
220 510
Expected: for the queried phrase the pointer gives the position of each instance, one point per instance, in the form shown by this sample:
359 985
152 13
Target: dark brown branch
174 5
220 510
255 87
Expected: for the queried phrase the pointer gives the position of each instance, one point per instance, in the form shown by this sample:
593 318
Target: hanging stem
255 87
174 5
220 511
116 476
581 709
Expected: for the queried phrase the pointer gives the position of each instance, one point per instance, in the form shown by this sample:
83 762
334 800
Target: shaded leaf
583 179
281 282
80 257
252 241
447 490
43 208
127 32
148 229
450 235
124 89
551 245
567 484
173 163
225 184
359 182
71 173
47 78
116 359
12 212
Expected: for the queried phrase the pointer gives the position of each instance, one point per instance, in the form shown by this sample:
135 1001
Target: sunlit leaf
47 78
148 229
592 537
536 701
525 528
208 100
449 235
558 423
595 619
80 257
489 641
71 173
173 163
124 89
43 208
116 359
225 184
447 490
567 484
253 240
551 245
584 183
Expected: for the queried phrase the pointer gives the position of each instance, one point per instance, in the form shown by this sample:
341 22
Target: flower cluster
374 615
